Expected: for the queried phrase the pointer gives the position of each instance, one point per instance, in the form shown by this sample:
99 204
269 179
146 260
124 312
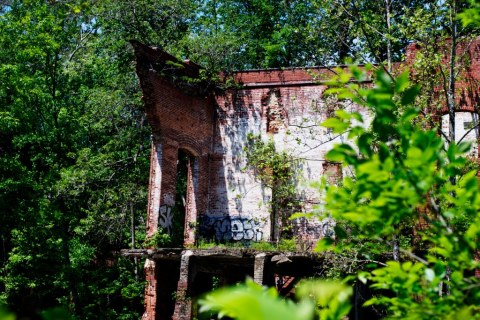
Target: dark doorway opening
179 209
167 273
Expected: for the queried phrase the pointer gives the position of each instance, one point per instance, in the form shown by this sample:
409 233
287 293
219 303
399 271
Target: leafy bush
159 240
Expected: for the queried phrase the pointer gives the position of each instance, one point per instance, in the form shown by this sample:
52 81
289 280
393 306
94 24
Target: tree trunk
388 3
135 260
72 284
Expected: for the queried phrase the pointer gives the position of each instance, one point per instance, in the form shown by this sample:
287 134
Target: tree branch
414 256
468 131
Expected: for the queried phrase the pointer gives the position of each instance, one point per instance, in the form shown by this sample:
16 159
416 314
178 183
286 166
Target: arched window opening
179 208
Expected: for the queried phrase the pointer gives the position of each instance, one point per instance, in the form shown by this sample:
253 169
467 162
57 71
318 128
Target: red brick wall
186 123
225 199
467 73
283 105
294 127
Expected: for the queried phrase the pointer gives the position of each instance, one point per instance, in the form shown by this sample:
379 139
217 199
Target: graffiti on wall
228 228
316 229
165 218
328 228
309 231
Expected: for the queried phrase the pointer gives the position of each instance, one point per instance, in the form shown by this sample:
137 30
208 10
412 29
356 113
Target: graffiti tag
166 218
232 229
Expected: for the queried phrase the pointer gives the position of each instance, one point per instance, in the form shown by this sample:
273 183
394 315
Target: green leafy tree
471 15
74 150
233 35
404 175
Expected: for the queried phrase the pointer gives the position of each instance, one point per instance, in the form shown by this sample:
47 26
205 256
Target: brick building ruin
199 132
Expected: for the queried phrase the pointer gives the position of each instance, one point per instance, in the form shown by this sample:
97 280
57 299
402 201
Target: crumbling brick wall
182 118
225 200
285 106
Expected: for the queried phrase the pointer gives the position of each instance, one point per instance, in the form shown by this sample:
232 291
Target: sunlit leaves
253 302
471 16
404 174
5 315
249 301
332 298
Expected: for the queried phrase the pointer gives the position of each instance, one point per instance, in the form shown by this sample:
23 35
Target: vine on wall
277 170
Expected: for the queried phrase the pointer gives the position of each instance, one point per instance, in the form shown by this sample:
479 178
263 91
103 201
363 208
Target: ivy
278 171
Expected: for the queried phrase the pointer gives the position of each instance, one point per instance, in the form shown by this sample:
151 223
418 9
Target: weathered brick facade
224 200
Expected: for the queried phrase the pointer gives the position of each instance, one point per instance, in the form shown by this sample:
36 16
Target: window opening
179 209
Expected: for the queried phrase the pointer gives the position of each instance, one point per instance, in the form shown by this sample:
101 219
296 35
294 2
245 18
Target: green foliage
287 244
403 174
74 160
229 35
253 302
273 168
262 246
159 240
56 313
276 170
232 35
282 245
5 315
332 298
329 300
471 15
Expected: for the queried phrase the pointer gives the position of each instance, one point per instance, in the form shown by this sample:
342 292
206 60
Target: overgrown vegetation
278 171
254 302
283 244
74 149
160 239
74 142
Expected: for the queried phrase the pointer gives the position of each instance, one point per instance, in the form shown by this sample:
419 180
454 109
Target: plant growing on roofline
402 174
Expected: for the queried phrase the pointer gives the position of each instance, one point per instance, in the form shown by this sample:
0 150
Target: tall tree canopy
74 153
224 34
